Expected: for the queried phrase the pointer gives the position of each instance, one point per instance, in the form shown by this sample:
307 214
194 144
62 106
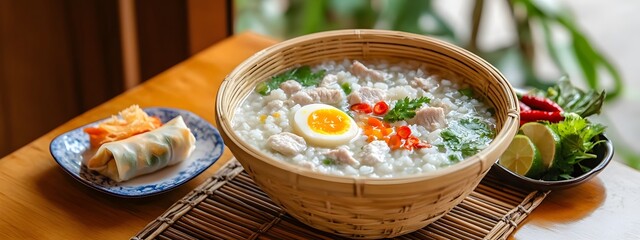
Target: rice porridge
376 119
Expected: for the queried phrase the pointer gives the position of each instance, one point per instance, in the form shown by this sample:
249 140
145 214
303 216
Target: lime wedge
523 158
545 139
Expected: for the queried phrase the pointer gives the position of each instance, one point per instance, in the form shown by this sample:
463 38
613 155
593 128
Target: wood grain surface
38 200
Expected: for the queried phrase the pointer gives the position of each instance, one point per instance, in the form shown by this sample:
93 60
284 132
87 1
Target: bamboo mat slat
230 206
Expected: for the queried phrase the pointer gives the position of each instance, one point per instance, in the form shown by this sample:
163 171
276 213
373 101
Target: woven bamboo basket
360 207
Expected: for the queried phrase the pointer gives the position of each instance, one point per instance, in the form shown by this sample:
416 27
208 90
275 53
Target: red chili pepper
524 107
541 103
536 115
380 108
403 132
422 145
411 142
361 107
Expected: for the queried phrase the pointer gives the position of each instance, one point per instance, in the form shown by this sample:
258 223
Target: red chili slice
411 142
380 108
537 115
361 107
541 103
422 145
403 132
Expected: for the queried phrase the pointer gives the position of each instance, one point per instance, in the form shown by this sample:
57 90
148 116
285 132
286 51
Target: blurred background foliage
544 31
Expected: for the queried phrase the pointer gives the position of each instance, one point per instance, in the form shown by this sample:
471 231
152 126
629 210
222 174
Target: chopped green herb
468 136
577 139
327 162
405 109
466 92
346 87
303 75
454 158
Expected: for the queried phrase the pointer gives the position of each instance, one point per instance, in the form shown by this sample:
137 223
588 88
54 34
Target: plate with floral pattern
71 148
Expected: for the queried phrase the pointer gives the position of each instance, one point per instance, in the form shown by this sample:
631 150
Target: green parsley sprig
405 109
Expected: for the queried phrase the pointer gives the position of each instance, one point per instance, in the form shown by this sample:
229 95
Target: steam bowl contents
397 118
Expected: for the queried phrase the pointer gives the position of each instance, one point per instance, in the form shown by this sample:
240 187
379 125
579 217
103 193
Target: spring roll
144 153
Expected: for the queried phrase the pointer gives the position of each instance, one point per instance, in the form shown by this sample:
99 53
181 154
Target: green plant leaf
551 45
406 15
586 58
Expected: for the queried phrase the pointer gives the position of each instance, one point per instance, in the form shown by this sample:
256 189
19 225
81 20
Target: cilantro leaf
578 137
303 75
405 109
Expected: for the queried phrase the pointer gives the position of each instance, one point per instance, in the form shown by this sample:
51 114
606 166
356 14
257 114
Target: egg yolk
329 121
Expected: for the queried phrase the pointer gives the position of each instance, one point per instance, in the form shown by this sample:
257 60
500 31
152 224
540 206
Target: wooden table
38 200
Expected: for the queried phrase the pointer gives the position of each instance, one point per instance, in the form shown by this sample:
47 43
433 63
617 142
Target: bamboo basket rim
508 130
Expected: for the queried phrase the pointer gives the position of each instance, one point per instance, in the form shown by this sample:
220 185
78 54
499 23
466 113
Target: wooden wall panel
209 22
4 125
162 35
97 55
61 58
57 59
169 31
37 71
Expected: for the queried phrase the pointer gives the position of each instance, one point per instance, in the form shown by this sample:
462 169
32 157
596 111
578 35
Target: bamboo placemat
230 206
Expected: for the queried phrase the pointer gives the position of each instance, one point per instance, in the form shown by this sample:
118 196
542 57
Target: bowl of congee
366 133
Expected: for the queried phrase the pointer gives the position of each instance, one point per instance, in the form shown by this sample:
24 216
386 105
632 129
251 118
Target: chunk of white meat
423 83
431 118
290 86
302 98
287 143
328 80
367 95
374 152
317 95
442 104
342 155
363 71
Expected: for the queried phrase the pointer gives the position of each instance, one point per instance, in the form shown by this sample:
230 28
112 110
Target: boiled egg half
324 125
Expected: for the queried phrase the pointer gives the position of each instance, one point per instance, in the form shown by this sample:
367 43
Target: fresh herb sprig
405 109
578 137
573 99
303 75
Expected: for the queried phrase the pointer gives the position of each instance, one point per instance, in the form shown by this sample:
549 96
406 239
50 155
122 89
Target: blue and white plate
70 148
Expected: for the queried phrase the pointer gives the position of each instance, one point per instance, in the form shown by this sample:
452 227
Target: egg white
301 127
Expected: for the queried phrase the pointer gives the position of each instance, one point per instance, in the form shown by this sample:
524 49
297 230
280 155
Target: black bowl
604 152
